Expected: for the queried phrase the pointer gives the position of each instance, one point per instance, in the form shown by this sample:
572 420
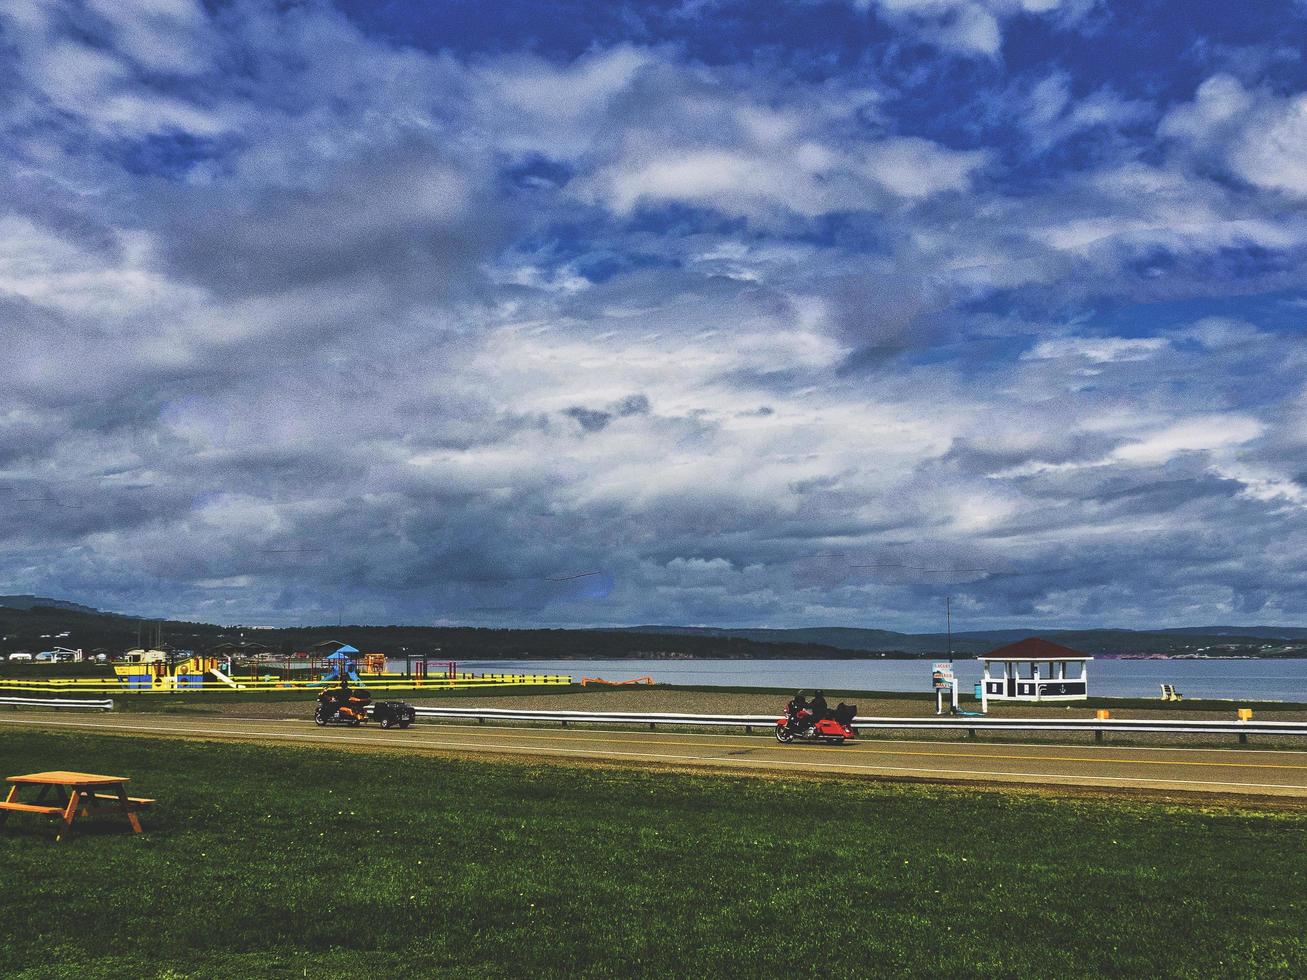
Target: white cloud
1103 350
1049 115
708 176
1258 136
1212 432
1220 102
1270 155
159 35
99 72
1135 206
971 27
916 168
806 177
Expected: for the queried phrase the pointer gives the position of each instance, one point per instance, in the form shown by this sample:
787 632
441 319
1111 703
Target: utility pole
948 620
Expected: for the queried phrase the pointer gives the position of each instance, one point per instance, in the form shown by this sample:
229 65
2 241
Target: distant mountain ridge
33 622
1099 641
34 601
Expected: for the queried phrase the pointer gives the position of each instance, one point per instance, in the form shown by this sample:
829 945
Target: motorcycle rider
327 703
333 699
818 707
798 705
359 699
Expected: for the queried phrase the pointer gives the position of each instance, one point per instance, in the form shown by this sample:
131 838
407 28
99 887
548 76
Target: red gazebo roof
1035 648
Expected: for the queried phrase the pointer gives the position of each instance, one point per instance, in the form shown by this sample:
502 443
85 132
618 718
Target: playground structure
347 664
207 674
188 675
422 667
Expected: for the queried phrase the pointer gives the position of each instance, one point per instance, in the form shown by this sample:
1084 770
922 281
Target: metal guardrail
57 703
1181 727
614 717
971 725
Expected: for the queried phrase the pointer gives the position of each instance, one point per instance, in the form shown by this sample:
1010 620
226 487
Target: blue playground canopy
343 664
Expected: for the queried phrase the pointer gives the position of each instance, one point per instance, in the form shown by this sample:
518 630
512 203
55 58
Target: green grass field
296 862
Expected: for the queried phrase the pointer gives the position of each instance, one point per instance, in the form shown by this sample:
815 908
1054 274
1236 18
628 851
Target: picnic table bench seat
137 802
31 808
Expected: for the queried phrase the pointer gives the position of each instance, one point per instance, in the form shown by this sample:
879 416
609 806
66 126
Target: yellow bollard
1245 714
1103 714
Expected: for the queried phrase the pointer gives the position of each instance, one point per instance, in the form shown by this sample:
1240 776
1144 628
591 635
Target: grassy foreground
297 862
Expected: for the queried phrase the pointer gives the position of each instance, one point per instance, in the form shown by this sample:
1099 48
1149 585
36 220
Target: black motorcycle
388 714
342 706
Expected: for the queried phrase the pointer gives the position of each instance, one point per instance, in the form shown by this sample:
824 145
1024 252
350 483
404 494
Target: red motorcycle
815 723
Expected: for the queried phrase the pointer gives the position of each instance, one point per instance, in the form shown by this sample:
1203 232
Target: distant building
142 656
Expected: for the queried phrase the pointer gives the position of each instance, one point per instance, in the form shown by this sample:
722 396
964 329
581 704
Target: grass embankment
277 862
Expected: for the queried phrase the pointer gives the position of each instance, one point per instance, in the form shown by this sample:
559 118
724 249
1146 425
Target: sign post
942 679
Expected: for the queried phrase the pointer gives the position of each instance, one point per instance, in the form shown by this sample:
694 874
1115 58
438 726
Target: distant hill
974 642
31 601
33 624
1266 632
36 623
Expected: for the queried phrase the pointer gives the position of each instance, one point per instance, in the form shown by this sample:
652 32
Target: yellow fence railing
143 684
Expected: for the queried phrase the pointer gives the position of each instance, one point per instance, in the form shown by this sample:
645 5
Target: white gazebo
1034 670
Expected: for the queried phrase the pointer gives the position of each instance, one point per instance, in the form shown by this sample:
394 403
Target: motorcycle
388 714
801 723
342 707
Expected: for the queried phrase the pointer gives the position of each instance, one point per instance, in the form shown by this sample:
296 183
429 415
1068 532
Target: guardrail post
1098 735
1243 738
971 733
748 729
652 726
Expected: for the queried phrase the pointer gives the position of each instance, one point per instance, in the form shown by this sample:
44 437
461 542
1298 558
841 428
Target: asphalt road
1170 770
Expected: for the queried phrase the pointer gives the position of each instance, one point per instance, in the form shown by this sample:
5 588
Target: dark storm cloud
971 459
595 420
401 214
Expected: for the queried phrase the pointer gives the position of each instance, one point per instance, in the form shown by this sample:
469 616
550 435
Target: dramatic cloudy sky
717 312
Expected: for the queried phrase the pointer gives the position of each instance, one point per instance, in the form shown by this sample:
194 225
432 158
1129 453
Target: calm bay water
1261 680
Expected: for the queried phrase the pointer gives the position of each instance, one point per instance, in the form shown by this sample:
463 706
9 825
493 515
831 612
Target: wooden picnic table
75 793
